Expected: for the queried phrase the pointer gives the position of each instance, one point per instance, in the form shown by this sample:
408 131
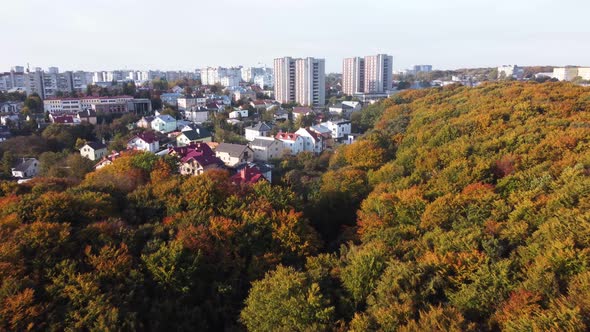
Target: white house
146 141
233 155
238 114
301 111
189 103
198 134
345 108
164 124
292 143
25 168
93 150
198 115
339 128
266 148
312 142
260 129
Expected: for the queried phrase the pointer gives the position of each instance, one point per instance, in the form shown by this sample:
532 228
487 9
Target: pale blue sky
182 34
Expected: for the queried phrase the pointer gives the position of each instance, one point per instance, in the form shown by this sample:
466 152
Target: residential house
164 124
260 129
197 114
345 108
88 116
107 160
339 128
215 106
93 150
187 103
247 175
238 114
195 159
281 115
266 148
292 143
187 137
25 168
259 104
325 133
301 111
146 141
145 122
67 120
312 141
170 98
233 155
351 138
9 118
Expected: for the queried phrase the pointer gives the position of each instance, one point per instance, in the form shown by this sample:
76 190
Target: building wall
353 75
378 73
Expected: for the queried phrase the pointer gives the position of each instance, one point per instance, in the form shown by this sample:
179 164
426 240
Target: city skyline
146 35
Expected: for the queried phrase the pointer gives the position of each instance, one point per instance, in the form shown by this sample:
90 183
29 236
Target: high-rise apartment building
371 74
378 73
300 80
215 75
353 75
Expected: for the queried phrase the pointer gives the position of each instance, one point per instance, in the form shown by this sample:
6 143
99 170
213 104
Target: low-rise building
88 116
260 129
164 123
25 168
248 175
301 111
233 155
188 137
339 128
238 114
195 159
145 122
186 103
266 148
93 150
146 141
67 120
312 141
292 143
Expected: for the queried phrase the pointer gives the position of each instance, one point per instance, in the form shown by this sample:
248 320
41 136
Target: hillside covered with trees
459 209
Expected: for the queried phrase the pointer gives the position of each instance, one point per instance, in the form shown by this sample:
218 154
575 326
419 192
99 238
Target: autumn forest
459 209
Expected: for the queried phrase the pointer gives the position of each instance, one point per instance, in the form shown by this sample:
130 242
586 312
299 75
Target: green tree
286 300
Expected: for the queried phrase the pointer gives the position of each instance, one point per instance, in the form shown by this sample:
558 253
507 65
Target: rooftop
234 150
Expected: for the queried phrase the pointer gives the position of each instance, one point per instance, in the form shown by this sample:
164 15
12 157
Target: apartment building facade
300 80
369 75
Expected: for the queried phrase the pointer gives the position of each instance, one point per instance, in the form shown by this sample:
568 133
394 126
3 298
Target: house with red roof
292 143
146 141
196 158
249 175
68 120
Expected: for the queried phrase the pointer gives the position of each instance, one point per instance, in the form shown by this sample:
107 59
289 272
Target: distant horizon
185 35
45 68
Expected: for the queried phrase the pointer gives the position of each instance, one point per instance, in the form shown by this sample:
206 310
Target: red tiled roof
287 136
63 119
247 175
183 151
146 136
88 97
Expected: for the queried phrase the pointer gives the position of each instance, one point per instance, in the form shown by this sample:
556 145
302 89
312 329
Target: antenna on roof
28 70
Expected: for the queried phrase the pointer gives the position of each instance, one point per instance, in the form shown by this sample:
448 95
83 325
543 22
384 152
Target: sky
185 35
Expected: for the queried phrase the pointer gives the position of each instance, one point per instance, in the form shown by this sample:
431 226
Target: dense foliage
459 209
